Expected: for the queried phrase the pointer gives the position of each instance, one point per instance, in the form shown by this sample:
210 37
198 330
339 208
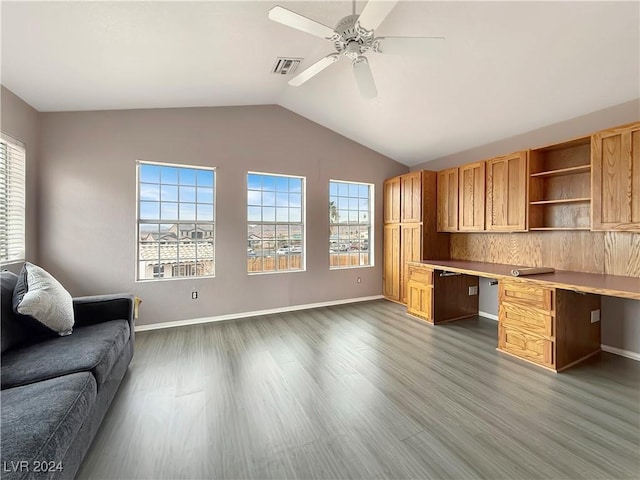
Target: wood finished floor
362 391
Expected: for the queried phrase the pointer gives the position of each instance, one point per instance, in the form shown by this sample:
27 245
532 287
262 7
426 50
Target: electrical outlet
595 316
359 280
194 295
473 290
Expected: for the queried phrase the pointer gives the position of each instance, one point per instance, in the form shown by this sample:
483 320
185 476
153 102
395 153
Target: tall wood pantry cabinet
410 229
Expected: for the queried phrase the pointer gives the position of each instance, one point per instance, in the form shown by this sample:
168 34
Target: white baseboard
488 315
234 316
623 353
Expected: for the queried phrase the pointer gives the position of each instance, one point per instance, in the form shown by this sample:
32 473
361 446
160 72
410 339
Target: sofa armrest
103 308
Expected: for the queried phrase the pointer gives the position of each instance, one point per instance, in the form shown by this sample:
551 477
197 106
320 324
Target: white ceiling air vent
286 66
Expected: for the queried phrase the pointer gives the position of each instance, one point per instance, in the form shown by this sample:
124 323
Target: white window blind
12 201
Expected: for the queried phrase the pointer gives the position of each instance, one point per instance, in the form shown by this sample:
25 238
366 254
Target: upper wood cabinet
411 198
447 201
471 197
403 199
507 193
615 180
391 200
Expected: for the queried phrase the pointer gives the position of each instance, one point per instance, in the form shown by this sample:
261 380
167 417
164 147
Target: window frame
16 165
371 224
275 223
195 223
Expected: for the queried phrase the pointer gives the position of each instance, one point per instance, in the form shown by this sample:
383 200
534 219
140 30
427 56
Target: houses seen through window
350 220
275 223
175 221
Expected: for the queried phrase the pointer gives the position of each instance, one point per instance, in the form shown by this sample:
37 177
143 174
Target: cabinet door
411 197
447 192
391 200
471 197
410 251
507 193
615 180
391 262
420 300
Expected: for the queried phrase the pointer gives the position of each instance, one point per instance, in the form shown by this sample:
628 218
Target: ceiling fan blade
313 70
364 78
408 45
374 13
297 21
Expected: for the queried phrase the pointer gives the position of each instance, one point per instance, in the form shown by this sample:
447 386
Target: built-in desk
551 319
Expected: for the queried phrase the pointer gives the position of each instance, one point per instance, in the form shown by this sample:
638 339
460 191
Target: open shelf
560 186
560 200
563 171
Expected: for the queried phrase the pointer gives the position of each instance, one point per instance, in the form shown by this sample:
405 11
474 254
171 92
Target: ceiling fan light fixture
353 37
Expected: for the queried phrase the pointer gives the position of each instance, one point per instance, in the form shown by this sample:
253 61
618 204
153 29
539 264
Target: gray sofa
56 390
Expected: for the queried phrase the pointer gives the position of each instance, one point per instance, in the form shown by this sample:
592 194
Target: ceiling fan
352 37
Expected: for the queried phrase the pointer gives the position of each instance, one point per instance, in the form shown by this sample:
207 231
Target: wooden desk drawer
420 275
526 294
524 345
523 318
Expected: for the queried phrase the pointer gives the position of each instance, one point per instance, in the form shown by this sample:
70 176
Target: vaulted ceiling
504 69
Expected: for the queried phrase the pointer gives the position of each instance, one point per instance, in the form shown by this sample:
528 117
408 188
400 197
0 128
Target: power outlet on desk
595 316
473 290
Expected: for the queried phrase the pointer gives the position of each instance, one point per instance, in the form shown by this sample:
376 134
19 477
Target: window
175 221
158 271
12 200
350 219
275 219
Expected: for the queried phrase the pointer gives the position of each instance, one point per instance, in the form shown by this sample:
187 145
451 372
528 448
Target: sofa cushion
17 329
94 348
41 420
41 296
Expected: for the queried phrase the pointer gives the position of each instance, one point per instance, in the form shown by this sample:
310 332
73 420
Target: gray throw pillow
41 296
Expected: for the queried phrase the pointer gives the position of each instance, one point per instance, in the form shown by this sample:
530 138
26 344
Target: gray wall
558 132
620 317
21 121
88 203
488 301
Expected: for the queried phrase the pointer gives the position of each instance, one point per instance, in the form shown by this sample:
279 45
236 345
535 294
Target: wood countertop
612 285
